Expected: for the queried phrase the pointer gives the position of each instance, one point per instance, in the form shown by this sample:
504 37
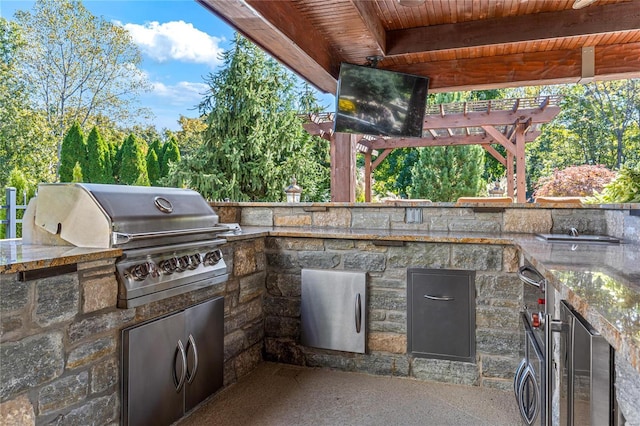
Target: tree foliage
74 150
153 167
444 173
625 188
133 166
99 168
254 140
574 181
77 66
25 144
170 155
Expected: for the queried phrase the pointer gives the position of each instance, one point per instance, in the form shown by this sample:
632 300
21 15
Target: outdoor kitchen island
262 302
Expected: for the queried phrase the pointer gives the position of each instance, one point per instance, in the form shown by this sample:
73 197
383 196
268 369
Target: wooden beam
613 62
521 184
514 29
496 118
367 12
279 29
500 138
495 154
384 154
440 141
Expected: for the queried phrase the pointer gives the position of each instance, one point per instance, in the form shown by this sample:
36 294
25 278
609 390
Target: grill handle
179 381
124 238
191 343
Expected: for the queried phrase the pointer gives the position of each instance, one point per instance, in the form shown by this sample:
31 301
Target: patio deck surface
279 394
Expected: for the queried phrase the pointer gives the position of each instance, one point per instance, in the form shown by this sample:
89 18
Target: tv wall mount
372 61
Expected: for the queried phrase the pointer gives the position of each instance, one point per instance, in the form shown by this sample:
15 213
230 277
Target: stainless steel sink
566 238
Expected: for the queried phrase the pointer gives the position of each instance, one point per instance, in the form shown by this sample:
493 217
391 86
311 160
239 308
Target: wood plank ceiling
458 44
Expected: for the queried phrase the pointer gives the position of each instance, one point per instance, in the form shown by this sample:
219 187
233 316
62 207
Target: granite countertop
18 257
601 281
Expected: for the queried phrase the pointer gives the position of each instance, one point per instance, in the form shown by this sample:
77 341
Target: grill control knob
195 260
183 263
141 271
212 257
168 266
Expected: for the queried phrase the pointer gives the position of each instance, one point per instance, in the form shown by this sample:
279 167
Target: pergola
510 123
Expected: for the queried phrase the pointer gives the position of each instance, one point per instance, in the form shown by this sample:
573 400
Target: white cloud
181 93
176 40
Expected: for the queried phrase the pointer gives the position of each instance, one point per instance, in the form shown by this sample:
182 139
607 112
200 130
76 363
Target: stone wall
498 290
60 337
436 217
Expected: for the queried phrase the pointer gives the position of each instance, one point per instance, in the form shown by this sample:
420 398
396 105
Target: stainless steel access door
333 310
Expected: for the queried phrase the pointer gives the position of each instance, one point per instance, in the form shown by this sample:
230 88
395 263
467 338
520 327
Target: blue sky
180 42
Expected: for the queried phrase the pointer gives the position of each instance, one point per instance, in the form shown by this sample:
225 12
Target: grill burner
169 236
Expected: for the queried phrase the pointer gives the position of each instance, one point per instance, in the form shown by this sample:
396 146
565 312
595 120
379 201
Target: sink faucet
573 232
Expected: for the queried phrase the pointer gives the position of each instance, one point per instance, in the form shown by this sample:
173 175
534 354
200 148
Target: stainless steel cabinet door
441 314
204 350
333 310
152 370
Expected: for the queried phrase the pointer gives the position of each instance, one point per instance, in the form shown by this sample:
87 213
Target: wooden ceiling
458 44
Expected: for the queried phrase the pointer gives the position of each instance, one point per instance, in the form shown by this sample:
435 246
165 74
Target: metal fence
12 207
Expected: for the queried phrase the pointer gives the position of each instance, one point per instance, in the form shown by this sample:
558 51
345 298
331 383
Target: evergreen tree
116 160
445 173
133 167
74 150
254 142
153 167
170 154
99 169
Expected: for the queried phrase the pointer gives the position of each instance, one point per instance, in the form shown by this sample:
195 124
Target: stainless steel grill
169 236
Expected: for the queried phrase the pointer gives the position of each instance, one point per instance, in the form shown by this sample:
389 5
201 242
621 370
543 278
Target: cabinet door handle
179 382
439 298
358 312
191 343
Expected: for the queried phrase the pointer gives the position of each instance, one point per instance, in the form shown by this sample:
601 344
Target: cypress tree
116 160
170 154
153 167
133 168
99 169
445 173
74 150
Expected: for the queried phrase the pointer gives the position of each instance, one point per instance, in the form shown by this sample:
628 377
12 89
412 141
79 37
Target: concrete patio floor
279 394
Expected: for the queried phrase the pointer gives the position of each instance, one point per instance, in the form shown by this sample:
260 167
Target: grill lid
100 215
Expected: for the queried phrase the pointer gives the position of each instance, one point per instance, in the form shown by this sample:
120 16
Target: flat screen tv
379 102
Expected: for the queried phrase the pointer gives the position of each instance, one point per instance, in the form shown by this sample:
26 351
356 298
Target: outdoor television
379 102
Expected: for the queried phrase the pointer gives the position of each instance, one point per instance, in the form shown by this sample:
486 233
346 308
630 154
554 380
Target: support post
343 167
521 183
510 187
367 176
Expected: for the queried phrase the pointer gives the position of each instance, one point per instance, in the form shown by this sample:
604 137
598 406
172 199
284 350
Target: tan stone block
335 218
510 259
388 342
17 412
527 220
96 264
244 261
99 293
292 220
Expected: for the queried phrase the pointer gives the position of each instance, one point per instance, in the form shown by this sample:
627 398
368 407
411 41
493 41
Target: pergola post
521 186
367 176
343 167
510 185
